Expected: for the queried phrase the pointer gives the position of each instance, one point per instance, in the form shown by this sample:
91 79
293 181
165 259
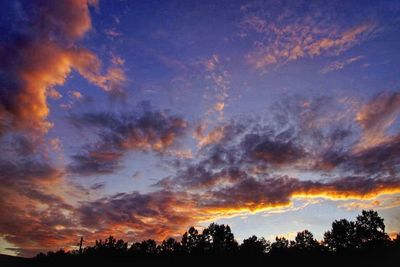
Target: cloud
272 151
34 208
112 33
213 136
140 216
95 162
68 19
245 171
253 195
375 118
281 34
119 133
382 158
340 64
76 95
220 84
40 55
240 173
39 50
382 202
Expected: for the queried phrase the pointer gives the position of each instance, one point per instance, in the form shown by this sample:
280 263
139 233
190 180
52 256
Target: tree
192 240
220 238
342 236
281 244
169 246
370 229
254 246
108 246
145 247
396 241
305 241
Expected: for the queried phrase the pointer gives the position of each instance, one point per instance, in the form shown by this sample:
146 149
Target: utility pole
80 246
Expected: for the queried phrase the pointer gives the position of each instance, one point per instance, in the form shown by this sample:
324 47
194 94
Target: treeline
363 240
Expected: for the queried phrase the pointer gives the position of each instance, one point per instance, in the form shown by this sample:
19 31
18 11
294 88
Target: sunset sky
139 119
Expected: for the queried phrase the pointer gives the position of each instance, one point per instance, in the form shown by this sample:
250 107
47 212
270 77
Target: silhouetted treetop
255 245
305 240
367 230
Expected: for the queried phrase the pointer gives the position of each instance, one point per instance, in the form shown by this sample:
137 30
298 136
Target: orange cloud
212 137
282 42
376 117
37 62
34 60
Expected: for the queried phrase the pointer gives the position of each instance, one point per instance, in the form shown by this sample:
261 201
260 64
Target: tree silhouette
220 239
254 246
370 229
280 244
109 246
342 236
192 241
148 246
169 246
305 241
367 231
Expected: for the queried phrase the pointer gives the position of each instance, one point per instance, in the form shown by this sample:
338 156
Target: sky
139 119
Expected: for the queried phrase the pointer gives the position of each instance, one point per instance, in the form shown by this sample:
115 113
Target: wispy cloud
287 35
340 64
220 85
375 118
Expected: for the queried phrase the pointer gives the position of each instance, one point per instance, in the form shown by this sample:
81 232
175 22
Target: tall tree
305 241
221 238
370 228
341 236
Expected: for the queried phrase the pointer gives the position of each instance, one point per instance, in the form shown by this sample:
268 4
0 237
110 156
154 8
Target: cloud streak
340 64
281 34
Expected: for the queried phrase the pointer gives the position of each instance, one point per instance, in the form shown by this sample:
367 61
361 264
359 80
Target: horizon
367 230
139 119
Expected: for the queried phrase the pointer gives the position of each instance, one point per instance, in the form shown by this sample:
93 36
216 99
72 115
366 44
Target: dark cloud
95 162
272 151
380 159
34 213
256 194
26 170
119 133
153 215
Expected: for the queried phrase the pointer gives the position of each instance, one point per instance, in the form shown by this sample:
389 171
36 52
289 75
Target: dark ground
379 259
